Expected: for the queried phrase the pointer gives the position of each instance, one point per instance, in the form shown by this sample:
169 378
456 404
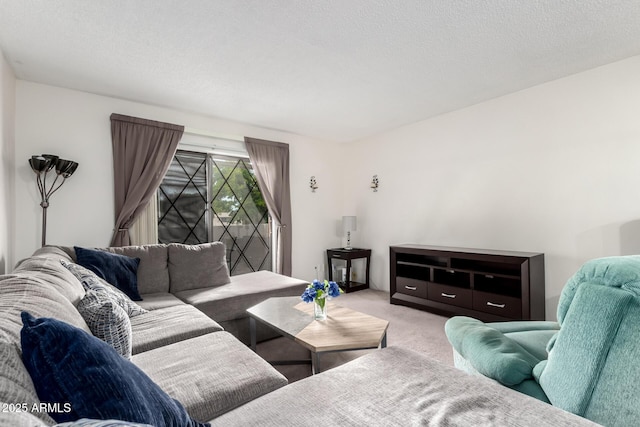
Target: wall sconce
313 184
374 183
42 165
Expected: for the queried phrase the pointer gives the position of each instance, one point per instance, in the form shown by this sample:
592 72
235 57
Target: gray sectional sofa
177 343
182 345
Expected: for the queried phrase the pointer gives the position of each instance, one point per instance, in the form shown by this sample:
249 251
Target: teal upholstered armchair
587 363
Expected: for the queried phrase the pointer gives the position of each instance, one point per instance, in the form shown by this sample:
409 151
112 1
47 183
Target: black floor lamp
42 165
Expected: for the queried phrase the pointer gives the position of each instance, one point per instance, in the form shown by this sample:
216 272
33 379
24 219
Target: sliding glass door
206 197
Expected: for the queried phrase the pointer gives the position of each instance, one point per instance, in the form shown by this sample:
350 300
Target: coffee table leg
383 344
252 332
315 363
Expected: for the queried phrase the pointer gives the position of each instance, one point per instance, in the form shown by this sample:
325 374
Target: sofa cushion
228 374
489 351
119 270
231 301
396 387
49 269
91 281
103 385
16 386
164 326
57 252
153 271
159 300
107 321
197 266
20 419
25 292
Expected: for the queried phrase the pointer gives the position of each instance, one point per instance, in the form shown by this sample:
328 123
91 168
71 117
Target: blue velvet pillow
84 422
69 365
119 270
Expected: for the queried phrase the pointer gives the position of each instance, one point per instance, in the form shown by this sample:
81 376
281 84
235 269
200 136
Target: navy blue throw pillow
119 270
88 379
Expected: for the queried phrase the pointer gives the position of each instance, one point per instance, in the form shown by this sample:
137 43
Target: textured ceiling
332 69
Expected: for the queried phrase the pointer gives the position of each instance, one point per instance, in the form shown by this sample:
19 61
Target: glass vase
320 309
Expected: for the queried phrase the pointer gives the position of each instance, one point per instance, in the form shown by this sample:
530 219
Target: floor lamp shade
349 224
41 166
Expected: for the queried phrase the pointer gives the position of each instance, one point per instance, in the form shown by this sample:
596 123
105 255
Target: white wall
552 169
7 165
75 125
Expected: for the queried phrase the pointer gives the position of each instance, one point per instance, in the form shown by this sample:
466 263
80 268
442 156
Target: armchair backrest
615 272
593 368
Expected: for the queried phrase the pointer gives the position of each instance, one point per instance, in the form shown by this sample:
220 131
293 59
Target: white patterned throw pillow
91 281
107 321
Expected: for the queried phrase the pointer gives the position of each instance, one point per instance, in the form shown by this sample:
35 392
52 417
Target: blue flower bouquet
318 292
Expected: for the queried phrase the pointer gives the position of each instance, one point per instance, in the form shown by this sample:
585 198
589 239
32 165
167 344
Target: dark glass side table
348 255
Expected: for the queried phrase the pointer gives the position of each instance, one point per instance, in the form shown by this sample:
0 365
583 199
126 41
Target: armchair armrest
525 325
489 351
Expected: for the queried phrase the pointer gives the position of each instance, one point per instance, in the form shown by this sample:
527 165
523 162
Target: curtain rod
213 149
200 132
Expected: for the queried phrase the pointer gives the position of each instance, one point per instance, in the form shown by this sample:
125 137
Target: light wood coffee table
343 330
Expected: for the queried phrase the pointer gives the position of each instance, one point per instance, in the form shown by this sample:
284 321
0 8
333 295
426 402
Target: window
206 197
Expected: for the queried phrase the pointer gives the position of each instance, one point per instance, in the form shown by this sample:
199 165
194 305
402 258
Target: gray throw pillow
91 281
107 321
197 266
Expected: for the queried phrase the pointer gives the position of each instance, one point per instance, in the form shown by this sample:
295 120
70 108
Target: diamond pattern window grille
205 198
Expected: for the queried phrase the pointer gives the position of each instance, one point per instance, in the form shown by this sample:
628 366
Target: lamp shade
39 163
349 223
53 160
66 168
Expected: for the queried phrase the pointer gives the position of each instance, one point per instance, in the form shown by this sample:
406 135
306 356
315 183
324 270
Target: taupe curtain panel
142 152
270 162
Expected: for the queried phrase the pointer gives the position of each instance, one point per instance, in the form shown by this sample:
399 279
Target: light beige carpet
410 328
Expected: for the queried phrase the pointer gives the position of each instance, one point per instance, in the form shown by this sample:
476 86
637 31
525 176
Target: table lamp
349 224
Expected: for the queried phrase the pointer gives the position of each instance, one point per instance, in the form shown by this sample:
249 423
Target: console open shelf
486 284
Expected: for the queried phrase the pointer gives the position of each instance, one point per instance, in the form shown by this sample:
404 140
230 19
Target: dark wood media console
486 284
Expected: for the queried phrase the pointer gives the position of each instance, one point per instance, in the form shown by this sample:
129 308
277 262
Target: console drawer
414 287
500 305
452 295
